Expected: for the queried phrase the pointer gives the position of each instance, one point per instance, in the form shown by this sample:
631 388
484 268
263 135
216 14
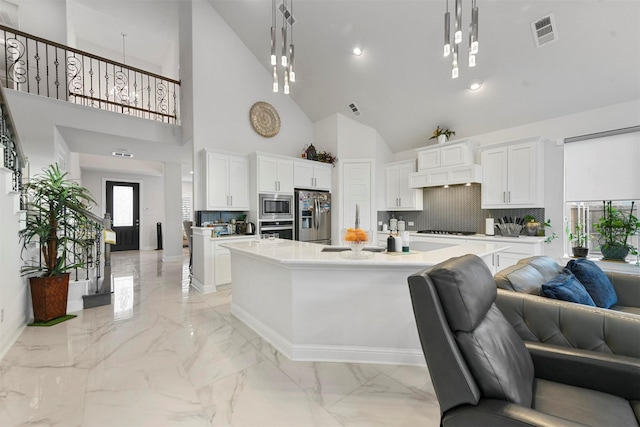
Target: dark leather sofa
530 273
484 374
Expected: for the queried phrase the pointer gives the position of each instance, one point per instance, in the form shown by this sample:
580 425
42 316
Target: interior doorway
123 204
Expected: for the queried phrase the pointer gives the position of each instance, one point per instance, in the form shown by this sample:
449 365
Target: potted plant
442 135
56 219
615 228
578 237
531 225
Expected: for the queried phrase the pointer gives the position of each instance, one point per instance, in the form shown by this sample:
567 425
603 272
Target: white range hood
453 175
451 163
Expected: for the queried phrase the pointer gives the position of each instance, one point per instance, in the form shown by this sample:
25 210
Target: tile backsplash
455 208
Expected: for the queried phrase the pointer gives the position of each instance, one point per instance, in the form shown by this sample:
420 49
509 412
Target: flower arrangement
439 131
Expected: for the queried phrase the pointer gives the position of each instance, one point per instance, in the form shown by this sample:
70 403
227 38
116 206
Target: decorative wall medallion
265 119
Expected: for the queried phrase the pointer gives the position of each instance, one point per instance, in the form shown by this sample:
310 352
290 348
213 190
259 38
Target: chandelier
454 50
287 59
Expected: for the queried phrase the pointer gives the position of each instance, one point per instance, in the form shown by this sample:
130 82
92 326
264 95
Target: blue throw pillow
566 287
595 281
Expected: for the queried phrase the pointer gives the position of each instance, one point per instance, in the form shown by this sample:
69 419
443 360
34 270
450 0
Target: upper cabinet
312 175
449 154
398 194
227 181
450 163
512 174
275 175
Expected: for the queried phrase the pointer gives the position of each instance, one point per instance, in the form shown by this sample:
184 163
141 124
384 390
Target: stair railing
43 67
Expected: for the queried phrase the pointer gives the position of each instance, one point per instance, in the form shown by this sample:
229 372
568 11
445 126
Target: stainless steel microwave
276 206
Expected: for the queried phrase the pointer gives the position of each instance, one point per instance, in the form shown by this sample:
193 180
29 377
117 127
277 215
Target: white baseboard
330 353
172 258
203 289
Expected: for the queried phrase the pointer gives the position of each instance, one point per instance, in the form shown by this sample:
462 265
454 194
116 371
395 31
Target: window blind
603 166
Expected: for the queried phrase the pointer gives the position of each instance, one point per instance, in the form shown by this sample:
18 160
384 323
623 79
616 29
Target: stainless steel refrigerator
313 216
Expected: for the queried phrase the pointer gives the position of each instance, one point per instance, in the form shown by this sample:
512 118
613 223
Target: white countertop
296 253
473 237
207 231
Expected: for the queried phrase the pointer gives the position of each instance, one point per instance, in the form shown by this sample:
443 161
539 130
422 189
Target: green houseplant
615 228
442 134
578 238
56 219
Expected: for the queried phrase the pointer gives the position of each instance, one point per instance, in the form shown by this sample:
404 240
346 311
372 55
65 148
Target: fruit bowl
356 239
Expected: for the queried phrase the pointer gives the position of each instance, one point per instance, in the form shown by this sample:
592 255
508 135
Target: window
598 168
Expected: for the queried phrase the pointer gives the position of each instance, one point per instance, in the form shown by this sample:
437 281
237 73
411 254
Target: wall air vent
122 154
354 109
544 30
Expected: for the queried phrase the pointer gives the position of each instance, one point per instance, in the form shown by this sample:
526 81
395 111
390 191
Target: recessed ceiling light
191 172
475 85
357 51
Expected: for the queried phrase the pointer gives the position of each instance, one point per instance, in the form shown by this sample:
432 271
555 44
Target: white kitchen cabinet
398 194
456 153
211 262
312 175
227 179
512 175
275 175
511 256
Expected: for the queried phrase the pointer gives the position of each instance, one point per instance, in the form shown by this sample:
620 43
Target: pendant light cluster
287 59
454 50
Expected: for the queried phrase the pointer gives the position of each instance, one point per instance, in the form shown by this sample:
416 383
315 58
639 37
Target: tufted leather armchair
484 374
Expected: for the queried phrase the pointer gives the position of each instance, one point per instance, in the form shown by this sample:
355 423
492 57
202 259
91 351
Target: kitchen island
331 306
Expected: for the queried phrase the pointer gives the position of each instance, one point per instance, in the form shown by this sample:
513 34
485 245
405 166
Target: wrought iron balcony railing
43 67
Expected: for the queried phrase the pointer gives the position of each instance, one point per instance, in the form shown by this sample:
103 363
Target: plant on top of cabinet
439 131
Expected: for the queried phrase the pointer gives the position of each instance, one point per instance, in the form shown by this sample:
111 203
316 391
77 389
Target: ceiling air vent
122 154
544 30
354 109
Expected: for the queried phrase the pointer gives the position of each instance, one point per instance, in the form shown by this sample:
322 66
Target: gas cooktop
450 232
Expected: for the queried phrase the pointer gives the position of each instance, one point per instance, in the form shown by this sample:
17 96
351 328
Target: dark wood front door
123 203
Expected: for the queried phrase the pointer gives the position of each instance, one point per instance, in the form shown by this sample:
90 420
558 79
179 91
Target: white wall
230 79
151 200
14 293
46 19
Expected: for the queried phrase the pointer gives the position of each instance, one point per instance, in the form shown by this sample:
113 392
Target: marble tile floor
164 355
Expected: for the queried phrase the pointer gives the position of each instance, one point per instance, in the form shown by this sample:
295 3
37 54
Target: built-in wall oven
284 229
276 207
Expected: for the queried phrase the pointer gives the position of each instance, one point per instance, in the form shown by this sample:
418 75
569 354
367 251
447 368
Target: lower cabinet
511 256
211 265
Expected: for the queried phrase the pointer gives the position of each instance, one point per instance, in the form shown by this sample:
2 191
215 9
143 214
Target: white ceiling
402 83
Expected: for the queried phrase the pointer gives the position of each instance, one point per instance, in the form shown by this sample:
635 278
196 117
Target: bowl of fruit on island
355 238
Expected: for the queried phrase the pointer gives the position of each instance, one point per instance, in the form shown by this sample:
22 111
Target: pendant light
287 60
454 50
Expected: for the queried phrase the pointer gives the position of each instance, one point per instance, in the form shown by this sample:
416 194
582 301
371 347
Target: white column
172 227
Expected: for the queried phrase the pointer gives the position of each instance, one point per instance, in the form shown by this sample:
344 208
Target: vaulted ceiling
402 84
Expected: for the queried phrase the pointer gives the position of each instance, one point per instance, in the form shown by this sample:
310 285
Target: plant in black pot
578 239
615 227
56 219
